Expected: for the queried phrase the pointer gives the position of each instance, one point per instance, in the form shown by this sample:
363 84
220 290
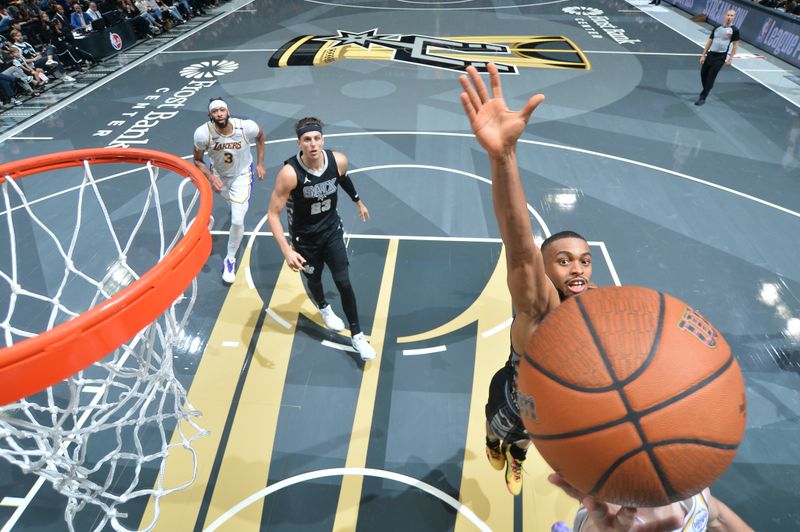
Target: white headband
216 104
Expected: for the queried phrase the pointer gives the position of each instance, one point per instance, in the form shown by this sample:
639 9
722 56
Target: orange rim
39 362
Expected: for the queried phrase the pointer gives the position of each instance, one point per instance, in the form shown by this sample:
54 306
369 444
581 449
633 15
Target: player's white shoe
361 345
229 270
332 321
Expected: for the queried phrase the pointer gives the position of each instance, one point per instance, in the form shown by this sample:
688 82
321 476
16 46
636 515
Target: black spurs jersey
311 207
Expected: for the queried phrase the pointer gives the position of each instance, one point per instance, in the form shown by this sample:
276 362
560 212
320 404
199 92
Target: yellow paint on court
350 494
211 393
245 467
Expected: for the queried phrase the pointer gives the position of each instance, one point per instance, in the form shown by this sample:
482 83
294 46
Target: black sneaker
700 101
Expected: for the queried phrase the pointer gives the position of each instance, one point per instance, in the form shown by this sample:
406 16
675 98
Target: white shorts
237 189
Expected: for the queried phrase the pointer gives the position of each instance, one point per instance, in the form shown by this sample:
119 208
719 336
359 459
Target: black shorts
502 412
327 248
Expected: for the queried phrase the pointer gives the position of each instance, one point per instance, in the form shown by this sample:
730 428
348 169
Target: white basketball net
101 436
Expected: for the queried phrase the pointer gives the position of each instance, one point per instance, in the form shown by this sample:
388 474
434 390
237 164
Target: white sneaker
68 79
51 62
332 321
361 345
229 270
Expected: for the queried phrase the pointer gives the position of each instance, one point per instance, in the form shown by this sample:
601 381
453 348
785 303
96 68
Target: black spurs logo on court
449 53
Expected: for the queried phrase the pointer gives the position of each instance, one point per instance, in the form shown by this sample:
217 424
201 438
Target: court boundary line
585 151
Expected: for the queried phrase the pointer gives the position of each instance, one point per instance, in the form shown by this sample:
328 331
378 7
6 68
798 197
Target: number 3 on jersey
320 206
228 158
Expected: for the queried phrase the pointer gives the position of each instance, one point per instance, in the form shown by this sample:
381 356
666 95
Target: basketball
631 396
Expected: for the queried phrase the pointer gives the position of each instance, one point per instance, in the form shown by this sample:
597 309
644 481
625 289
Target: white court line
424 351
282 322
666 171
469 135
31 138
12 501
340 347
763 70
497 328
350 471
242 50
225 232
230 343
443 8
625 52
607 256
454 171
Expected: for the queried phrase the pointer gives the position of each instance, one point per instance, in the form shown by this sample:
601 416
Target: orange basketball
632 396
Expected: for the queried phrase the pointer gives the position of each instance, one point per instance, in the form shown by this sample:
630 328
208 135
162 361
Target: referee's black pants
711 67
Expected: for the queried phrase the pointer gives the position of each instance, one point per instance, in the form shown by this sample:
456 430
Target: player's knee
342 279
237 214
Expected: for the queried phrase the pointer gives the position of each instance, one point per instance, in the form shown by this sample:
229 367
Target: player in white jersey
701 513
227 141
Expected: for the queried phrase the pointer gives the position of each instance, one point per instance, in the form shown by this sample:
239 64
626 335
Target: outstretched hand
495 126
604 517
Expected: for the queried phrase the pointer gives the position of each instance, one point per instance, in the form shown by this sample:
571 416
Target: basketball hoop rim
39 362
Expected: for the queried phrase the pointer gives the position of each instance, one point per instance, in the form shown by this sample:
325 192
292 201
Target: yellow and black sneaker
515 456
494 453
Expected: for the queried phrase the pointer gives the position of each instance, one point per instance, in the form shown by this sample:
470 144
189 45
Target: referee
723 39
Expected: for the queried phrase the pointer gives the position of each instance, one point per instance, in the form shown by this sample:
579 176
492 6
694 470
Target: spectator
24 74
93 13
143 23
80 20
5 19
145 7
7 87
60 14
68 53
171 11
36 60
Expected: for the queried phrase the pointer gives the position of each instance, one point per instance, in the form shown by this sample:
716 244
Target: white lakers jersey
230 155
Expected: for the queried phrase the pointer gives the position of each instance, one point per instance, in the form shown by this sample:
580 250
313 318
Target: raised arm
497 129
285 182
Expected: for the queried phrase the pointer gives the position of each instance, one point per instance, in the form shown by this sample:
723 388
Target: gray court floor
699 202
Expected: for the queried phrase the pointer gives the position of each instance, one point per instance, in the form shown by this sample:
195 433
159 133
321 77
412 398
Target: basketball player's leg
506 439
314 254
336 259
237 192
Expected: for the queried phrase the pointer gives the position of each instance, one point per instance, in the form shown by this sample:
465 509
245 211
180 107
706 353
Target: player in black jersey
307 186
538 280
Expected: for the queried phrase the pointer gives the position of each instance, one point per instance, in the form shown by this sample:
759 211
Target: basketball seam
646 412
632 416
691 390
632 377
696 441
676 441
